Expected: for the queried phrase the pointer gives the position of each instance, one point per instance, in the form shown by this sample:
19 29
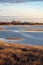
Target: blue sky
28 9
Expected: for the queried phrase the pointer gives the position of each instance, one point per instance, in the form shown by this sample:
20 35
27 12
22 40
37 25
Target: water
16 31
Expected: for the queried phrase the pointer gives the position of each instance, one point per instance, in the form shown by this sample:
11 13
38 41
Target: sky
22 8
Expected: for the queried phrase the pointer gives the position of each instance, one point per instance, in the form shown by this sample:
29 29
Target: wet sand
20 54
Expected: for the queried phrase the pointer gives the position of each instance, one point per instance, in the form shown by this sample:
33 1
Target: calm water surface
32 38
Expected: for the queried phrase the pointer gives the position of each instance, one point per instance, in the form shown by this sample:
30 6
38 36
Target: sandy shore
20 54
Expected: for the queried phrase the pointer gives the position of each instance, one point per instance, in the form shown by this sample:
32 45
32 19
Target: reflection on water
34 38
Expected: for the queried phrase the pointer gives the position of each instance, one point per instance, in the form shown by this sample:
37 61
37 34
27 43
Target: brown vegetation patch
14 38
17 54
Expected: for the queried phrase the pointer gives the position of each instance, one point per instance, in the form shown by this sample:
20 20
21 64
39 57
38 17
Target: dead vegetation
17 54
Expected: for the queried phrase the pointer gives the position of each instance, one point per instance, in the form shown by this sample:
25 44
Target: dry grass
17 54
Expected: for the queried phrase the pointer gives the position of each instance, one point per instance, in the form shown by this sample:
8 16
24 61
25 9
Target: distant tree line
19 23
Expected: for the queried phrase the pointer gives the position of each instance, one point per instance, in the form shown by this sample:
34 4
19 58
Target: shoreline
26 45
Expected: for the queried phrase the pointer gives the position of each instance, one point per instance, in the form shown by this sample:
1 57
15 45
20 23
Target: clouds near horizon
22 8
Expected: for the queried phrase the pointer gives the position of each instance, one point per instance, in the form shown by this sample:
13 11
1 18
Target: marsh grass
17 54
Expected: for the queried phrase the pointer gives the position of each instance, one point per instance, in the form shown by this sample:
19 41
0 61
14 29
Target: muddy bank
14 38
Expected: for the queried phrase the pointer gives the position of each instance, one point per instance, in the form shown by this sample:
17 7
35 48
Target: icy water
26 33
